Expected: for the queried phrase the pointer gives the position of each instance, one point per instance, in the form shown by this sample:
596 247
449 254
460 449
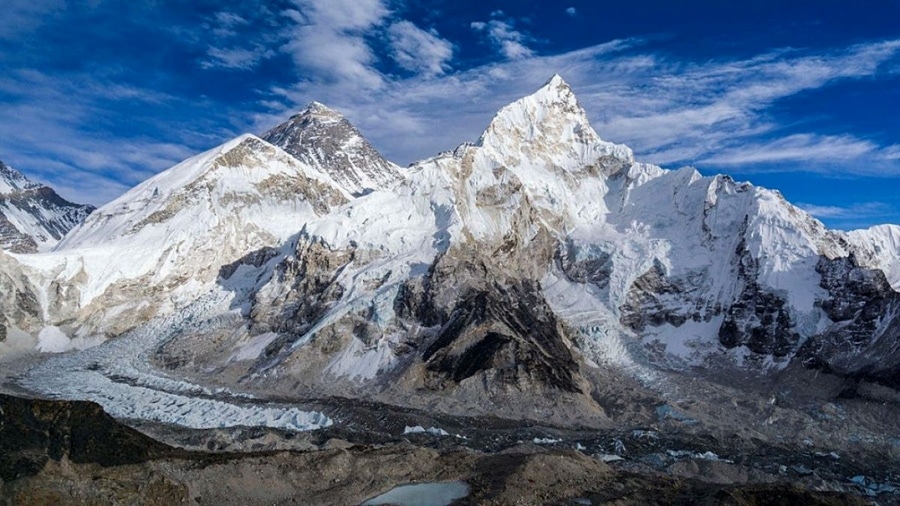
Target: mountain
877 248
164 242
32 216
517 276
497 277
325 140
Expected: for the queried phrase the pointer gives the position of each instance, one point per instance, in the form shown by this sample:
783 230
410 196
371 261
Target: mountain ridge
33 217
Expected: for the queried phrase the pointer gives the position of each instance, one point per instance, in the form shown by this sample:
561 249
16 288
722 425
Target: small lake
422 494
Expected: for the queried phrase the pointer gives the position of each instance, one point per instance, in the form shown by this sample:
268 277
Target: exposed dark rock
595 269
758 319
322 138
650 301
255 258
864 340
495 326
305 290
33 432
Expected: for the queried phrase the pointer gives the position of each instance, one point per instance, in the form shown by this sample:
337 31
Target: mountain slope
878 247
325 140
164 242
32 216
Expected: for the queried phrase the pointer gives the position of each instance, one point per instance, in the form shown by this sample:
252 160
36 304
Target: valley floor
670 437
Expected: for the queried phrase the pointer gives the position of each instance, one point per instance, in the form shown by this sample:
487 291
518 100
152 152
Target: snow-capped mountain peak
549 125
33 217
322 138
243 172
12 180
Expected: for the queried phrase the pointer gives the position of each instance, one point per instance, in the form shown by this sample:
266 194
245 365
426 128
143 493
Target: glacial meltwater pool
422 494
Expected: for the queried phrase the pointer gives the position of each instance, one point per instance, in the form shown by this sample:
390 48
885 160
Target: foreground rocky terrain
63 452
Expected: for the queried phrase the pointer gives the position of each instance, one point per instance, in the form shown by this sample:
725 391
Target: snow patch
418 429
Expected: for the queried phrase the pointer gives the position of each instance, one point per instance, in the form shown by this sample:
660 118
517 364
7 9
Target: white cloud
571 11
418 50
235 58
670 112
327 40
803 148
859 211
51 139
505 37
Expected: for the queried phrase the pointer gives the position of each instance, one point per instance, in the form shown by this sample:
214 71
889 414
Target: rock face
32 216
325 140
33 432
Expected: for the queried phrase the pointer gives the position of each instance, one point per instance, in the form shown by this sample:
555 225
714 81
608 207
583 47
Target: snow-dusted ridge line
33 217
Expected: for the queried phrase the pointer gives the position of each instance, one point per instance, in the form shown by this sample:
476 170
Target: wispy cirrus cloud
55 130
852 216
235 57
21 16
511 43
859 210
711 113
327 40
418 50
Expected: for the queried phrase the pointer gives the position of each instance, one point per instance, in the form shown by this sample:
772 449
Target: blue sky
800 96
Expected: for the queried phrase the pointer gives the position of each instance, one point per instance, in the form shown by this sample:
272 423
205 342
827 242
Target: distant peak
321 110
550 119
556 82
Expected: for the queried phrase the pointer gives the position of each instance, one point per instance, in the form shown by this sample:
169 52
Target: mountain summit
549 124
33 217
322 138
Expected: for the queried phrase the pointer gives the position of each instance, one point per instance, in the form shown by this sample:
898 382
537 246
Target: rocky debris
63 451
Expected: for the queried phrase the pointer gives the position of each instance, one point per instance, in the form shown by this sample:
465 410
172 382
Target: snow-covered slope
32 216
325 140
165 241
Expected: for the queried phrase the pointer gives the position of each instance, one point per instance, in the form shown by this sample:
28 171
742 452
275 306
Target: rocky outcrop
491 327
863 341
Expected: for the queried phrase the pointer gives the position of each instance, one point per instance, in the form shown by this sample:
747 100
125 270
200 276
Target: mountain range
504 277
